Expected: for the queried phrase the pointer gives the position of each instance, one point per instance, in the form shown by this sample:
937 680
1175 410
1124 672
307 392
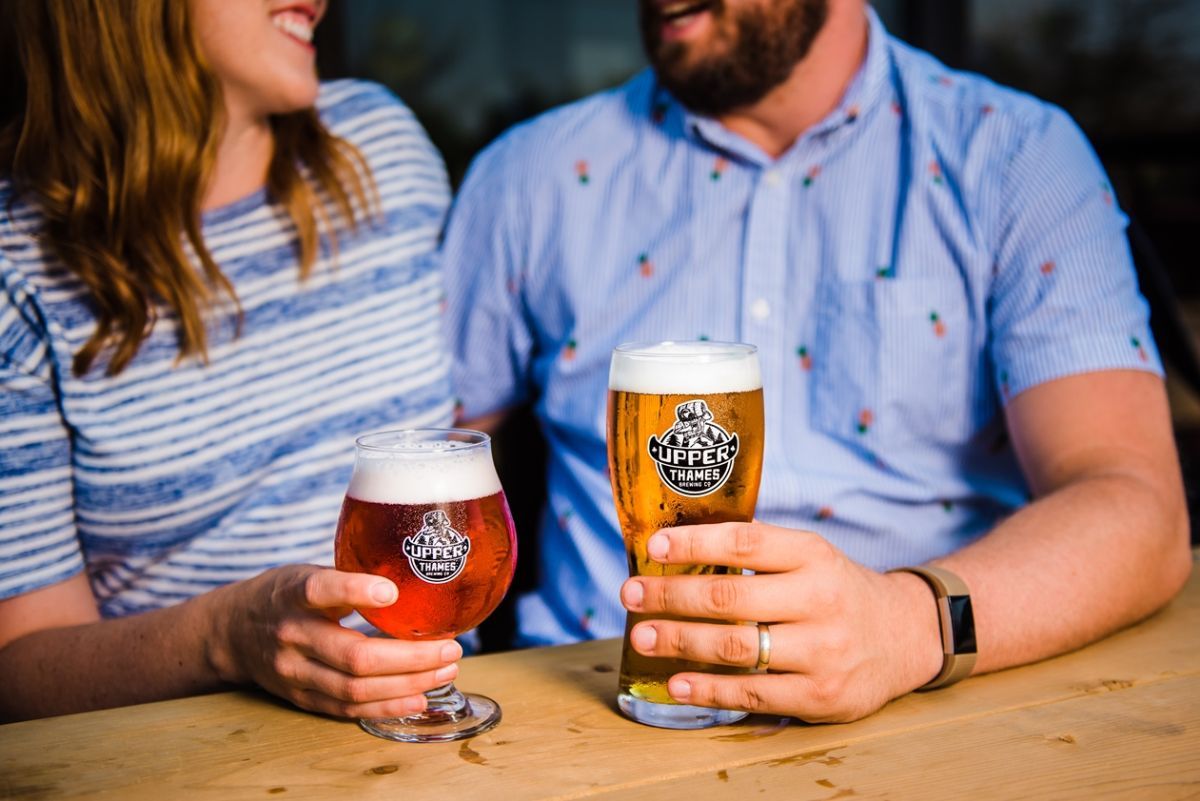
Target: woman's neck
243 158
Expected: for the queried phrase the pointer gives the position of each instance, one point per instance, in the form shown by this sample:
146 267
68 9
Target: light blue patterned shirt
937 245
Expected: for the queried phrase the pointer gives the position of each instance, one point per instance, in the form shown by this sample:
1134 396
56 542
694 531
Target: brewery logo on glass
437 553
695 456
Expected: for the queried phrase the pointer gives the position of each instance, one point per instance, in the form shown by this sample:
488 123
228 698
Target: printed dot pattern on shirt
719 167
645 266
806 361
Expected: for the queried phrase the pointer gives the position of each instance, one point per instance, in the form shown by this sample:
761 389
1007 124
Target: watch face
962 623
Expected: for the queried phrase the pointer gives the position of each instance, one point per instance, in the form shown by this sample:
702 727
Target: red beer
371 539
425 509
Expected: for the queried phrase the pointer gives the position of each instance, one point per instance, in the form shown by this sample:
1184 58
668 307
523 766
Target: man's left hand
845 640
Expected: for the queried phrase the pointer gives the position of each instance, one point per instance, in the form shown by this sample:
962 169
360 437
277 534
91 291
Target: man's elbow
1166 564
1178 559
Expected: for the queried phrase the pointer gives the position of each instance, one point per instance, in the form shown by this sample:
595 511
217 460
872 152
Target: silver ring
764 646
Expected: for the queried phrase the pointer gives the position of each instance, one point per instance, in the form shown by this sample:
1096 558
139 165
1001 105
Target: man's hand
845 640
280 631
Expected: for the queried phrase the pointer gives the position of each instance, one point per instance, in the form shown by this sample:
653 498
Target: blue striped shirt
169 479
935 246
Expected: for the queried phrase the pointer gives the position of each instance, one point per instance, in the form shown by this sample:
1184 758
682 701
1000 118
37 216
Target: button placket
764 282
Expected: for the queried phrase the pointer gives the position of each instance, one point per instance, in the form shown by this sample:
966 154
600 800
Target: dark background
1127 70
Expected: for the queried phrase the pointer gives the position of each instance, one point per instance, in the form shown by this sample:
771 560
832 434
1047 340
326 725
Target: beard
751 50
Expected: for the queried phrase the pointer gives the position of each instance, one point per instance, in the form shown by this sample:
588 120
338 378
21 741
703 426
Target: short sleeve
488 331
39 545
1065 298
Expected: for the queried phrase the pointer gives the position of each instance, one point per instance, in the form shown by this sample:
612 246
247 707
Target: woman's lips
295 24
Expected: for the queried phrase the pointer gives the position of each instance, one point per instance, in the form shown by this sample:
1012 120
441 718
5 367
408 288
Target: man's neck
814 89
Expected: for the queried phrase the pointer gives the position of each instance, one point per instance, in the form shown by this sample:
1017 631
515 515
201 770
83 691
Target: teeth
686 8
295 25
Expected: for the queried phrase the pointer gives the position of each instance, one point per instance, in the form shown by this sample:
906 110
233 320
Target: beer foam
415 477
684 368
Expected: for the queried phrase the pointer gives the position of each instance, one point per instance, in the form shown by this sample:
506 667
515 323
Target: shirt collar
865 92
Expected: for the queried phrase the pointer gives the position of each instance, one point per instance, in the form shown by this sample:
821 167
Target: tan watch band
956 621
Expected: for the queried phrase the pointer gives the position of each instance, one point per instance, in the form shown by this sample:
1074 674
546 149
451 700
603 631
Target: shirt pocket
891 363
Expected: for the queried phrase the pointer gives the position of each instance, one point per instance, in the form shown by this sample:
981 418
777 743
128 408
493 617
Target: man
956 362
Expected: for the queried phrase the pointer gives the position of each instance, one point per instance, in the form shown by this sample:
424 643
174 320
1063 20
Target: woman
214 273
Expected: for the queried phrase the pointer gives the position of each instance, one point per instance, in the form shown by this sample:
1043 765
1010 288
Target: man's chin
708 93
684 64
735 63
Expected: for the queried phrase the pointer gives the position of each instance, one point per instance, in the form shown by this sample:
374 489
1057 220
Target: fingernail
634 593
657 546
447 673
644 638
383 592
451 651
414 705
680 690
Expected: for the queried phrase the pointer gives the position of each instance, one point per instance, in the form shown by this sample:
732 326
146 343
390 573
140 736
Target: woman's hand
844 639
280 631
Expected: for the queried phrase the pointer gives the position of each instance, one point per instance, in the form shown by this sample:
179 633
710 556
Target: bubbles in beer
685 444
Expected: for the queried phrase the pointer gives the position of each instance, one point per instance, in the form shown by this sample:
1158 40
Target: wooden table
1120 719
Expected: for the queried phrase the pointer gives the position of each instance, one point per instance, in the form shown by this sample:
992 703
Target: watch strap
956 623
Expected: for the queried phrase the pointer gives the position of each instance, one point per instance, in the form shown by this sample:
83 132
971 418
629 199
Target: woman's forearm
148 657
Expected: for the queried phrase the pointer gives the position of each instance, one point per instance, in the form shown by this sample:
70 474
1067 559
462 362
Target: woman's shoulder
20 226
387 134
31 274
349 105
24 273
12 208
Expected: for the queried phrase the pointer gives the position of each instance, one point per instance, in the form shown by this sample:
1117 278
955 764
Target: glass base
675 716
451 715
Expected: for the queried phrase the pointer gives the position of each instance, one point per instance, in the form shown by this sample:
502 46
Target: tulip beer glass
426 510
685 446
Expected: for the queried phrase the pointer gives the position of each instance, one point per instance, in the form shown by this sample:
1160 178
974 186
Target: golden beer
685 446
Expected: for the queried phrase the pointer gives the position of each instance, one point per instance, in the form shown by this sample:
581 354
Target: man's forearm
147 657
1085 560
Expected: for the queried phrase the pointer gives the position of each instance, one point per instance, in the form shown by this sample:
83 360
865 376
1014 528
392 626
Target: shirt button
760 309
772 177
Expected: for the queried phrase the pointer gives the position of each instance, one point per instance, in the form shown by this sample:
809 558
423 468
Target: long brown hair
112 127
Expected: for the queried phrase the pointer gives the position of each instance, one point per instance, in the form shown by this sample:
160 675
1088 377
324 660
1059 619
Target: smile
296 23
680 14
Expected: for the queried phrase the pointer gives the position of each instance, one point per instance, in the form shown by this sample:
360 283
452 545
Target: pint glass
685 446
426 510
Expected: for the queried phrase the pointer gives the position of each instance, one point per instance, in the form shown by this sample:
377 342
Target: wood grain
1136 743
1120 719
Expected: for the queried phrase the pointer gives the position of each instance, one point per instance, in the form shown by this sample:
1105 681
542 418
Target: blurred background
1127 70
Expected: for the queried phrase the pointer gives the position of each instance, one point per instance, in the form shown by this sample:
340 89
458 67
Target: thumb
325 588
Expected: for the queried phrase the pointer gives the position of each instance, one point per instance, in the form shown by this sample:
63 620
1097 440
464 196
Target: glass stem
446 703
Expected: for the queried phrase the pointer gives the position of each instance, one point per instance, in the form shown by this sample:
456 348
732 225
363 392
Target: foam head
680 368
423 473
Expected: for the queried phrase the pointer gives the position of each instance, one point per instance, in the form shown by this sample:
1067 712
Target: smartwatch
956 622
